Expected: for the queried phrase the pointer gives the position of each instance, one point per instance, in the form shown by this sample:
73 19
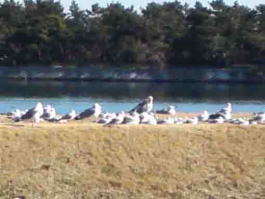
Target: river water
118 96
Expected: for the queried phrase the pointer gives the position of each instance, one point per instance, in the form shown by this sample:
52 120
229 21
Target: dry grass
86 160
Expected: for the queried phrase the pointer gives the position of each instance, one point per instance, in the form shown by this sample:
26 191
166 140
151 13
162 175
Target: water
117 96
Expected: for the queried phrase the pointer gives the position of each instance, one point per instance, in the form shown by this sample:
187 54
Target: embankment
85 160
179 74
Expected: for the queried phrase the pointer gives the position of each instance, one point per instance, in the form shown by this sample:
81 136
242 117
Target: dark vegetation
169 34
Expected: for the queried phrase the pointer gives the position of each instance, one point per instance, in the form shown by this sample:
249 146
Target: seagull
219 120
16 115
204 116
69 116
36 118
259 117
95 110
252 122
105 118
193 121
224 113
118 119
132 118
170 110
227 114
144 106
243 122
148 118
168 120
35 112
228 108
49 113
178 120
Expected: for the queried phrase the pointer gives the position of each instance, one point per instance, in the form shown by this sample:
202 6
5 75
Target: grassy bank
86 160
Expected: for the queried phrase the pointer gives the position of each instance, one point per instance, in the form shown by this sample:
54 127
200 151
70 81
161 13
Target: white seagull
69 116
132 118
171 110
148 118
259 117
204 116
34 113
95 110
144 106
49 113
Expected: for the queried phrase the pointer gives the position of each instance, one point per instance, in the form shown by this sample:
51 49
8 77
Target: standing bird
49 113
95 110
204 116
38 112
144 106
227 108
171 110
35 112
225 113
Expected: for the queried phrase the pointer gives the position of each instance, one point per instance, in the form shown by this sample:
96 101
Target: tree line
168 34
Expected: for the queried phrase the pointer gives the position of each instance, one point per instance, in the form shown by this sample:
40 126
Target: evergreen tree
40 32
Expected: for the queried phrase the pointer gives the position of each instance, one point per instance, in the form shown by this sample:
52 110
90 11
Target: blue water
118 96
64 105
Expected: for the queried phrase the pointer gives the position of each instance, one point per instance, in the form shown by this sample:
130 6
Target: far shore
178 74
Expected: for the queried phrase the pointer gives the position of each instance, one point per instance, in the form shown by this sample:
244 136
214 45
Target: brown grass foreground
86 160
